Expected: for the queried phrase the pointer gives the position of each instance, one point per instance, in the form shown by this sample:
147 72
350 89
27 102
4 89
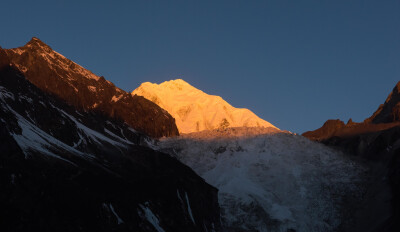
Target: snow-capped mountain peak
195 110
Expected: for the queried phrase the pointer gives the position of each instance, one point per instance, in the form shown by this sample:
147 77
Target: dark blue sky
293 63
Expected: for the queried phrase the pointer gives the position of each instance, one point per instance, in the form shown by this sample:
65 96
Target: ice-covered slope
195 110
272 181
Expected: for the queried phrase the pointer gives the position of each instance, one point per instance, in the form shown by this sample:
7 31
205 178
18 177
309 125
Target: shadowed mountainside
53 73
66 169
390 110
377 141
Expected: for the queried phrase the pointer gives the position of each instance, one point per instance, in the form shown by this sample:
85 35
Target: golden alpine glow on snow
195 110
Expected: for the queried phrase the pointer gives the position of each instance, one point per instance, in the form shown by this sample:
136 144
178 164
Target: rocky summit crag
390 110
55 74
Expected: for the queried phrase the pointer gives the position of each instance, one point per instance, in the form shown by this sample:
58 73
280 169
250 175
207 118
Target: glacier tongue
271 181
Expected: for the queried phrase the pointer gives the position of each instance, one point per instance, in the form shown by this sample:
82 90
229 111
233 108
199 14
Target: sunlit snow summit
195 110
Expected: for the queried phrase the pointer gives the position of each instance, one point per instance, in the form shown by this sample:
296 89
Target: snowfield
270 180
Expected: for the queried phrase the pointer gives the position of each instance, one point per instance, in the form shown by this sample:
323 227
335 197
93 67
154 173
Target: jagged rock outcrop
385 117
390 110
65 169
337 128
327 130
55 74
195 110
350 122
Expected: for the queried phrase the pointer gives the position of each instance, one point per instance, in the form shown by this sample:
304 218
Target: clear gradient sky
293 63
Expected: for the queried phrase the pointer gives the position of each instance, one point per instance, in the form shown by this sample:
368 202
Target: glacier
271 180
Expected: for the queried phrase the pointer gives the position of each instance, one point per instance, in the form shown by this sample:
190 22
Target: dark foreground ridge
376 141
55 74
63 169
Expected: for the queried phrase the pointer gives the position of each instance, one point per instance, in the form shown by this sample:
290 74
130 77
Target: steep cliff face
195 110
390 110
65 169
55 74
4 60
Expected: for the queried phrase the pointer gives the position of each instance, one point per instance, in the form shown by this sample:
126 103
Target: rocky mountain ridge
386 116
376 141
389 111
55 74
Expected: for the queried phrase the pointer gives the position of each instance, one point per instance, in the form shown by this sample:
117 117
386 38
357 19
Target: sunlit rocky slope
55 74
195 110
